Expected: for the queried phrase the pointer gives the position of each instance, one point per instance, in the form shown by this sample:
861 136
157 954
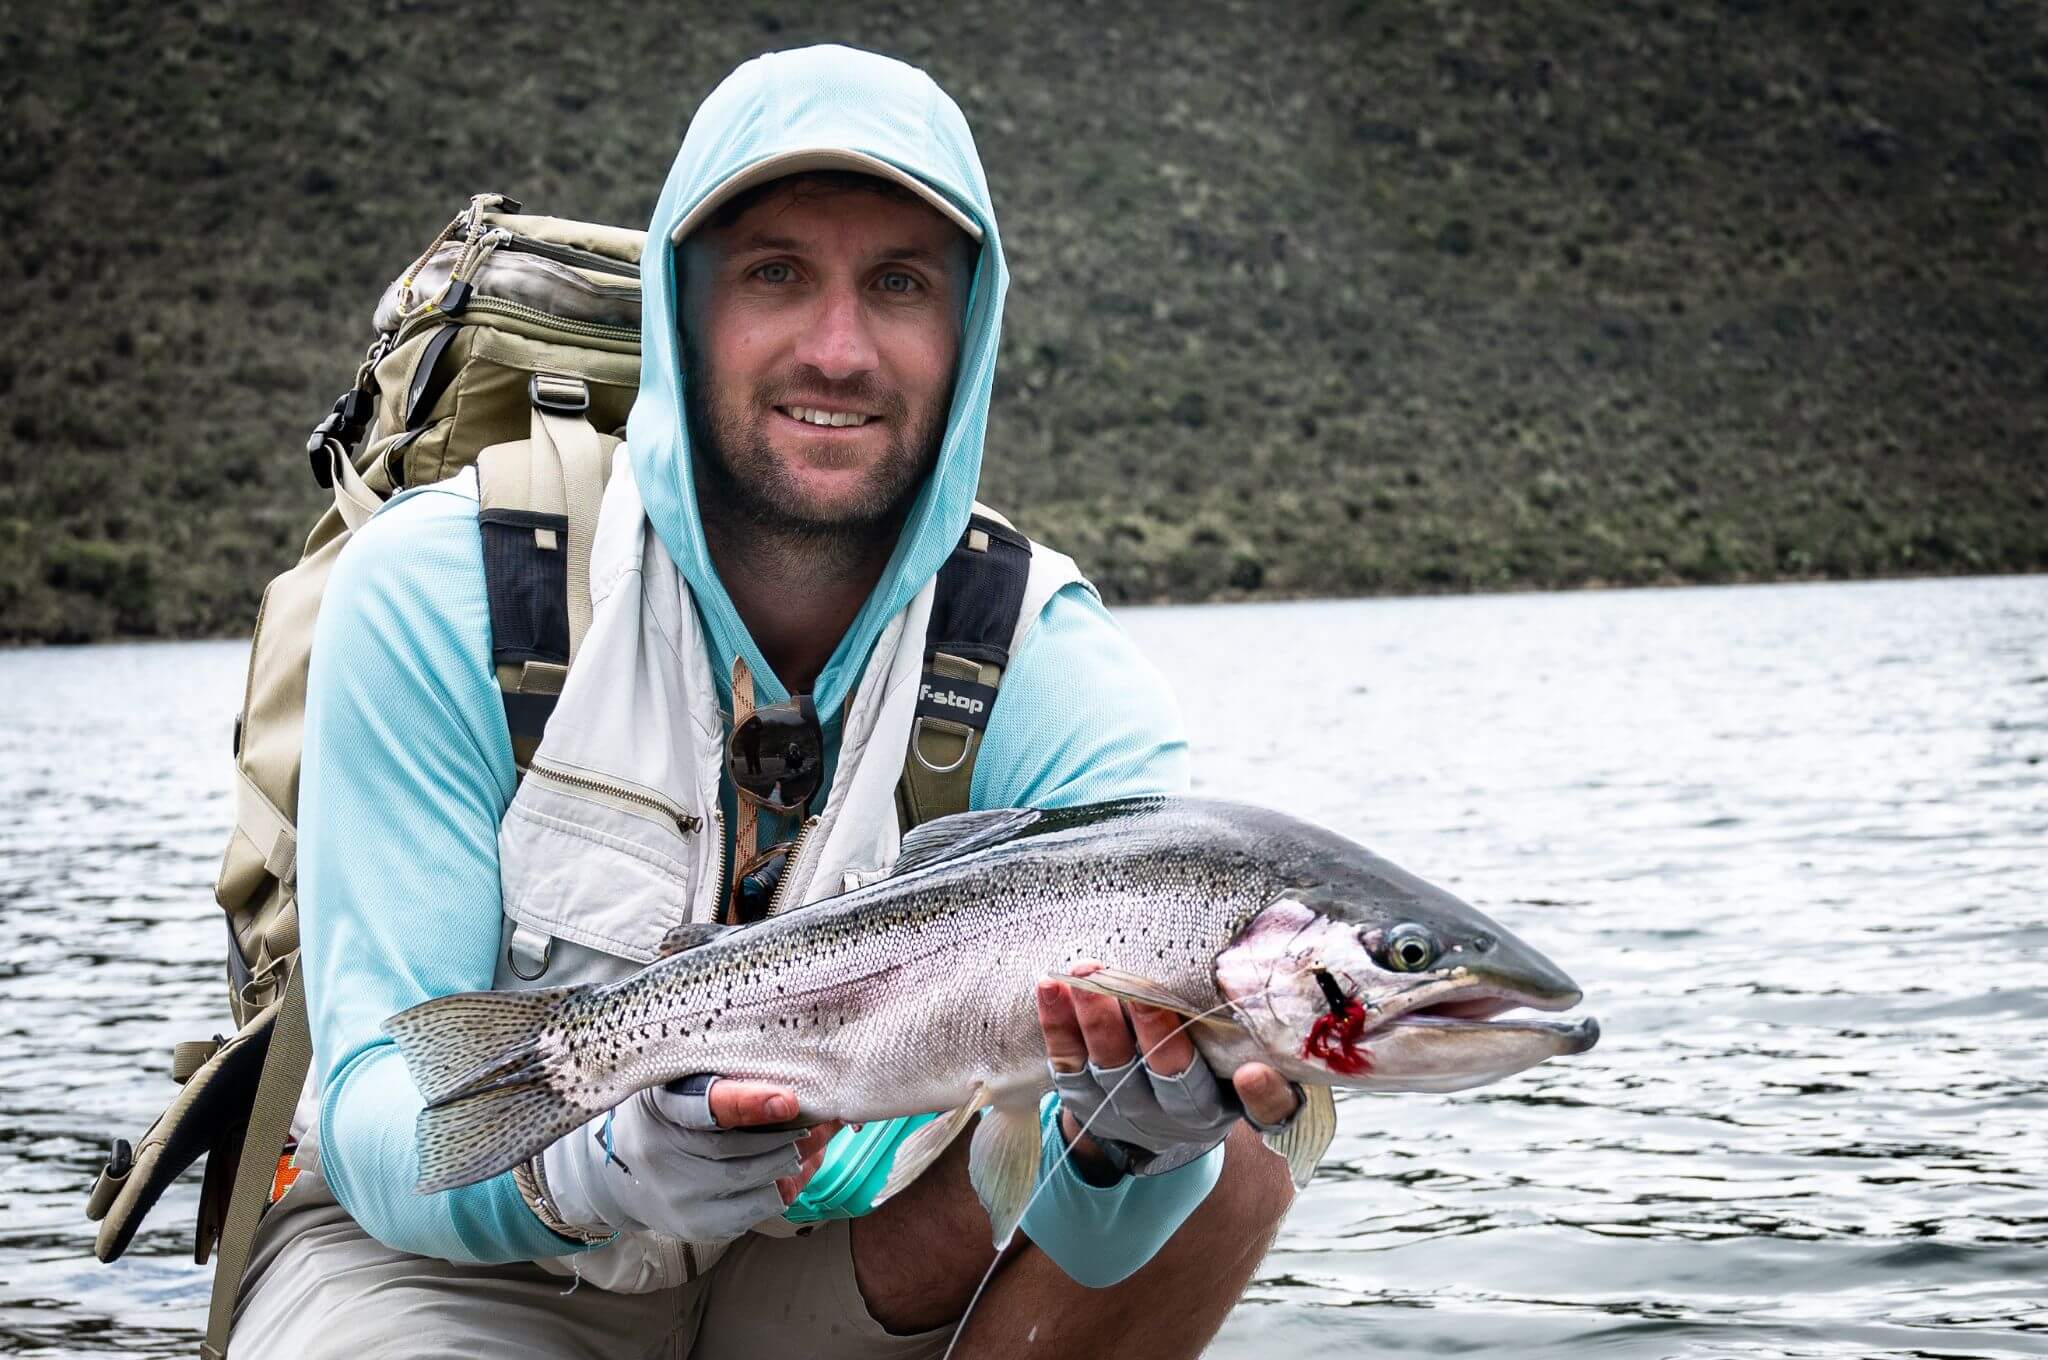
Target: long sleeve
1085 717
407 770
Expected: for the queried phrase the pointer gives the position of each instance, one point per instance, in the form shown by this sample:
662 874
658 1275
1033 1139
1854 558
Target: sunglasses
777 757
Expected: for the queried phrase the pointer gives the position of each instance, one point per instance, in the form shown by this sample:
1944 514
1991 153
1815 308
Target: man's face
820 334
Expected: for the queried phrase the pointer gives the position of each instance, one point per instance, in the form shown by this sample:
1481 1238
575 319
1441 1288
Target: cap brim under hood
781 114
802 160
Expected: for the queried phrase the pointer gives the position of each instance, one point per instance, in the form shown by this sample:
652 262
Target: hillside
1318 298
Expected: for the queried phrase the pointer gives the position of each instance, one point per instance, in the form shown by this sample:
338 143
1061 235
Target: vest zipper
638 801
722 888
790 865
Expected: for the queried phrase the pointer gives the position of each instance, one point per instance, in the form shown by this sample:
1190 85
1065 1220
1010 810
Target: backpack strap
975 605
285 1061
538 502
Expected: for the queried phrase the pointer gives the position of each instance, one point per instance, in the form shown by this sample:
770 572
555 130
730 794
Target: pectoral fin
1307 1137
922 1148
1130 987
1003 1164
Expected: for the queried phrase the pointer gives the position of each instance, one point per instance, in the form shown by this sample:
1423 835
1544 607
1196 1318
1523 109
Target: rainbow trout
1284 943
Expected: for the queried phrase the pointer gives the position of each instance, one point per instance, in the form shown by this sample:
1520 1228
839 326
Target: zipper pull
688 824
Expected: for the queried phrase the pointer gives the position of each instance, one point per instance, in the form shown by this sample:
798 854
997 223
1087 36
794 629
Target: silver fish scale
906 996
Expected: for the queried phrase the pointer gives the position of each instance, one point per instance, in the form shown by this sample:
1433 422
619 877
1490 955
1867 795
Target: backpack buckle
343 425
558 396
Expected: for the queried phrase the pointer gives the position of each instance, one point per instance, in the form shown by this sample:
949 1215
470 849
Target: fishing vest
616 836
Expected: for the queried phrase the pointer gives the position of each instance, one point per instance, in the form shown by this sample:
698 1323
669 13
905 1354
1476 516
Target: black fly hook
1332 993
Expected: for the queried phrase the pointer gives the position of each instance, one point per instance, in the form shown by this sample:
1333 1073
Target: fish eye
1410 948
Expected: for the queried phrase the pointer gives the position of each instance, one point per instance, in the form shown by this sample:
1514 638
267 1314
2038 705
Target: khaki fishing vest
616 836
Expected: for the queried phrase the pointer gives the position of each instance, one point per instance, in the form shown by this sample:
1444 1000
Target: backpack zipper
626 798
589 329
574 258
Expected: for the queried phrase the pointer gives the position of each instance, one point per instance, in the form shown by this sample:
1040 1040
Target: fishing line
1067 1152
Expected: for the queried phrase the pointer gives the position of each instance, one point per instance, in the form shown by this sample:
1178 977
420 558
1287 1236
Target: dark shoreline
1390 298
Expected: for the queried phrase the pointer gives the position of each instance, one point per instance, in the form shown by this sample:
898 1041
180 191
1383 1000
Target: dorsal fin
961 834
689 935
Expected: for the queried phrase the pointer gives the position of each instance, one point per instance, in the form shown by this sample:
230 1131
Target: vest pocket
599 861
618 794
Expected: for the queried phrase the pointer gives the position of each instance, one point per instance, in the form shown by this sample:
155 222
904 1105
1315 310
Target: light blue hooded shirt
408 768
791 102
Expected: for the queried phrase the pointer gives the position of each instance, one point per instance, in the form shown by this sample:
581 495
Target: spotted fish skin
916 993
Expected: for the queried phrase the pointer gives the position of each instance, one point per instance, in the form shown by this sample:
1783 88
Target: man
823 289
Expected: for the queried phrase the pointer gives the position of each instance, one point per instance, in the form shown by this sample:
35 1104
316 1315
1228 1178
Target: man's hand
1172 1110
688 1159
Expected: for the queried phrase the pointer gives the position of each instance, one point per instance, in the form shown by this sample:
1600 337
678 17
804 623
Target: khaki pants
320 1288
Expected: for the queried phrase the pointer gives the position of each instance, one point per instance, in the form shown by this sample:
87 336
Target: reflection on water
1790 840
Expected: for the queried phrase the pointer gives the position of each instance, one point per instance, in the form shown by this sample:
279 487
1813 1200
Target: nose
838 340
1542 984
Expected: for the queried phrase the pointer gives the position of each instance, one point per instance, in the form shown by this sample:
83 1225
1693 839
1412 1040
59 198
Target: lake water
1792 841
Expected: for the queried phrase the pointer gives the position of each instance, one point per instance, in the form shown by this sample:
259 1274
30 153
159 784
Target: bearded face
820 339
867 488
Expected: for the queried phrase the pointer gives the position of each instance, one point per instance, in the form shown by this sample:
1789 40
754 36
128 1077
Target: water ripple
1788 839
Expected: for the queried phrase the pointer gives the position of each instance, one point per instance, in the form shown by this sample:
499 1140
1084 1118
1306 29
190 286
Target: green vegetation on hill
1314 298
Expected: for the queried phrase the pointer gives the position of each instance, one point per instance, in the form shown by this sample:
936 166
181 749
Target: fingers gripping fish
1293 946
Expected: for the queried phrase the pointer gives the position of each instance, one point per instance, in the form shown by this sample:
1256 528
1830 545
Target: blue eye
898 282
775 273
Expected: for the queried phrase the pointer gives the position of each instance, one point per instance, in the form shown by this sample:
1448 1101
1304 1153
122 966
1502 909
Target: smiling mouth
819 418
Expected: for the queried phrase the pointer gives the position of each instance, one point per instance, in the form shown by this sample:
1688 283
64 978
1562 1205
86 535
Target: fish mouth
1470 1000
1572 1036
1467 993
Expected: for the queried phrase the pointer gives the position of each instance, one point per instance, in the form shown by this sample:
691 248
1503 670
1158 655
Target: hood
784 104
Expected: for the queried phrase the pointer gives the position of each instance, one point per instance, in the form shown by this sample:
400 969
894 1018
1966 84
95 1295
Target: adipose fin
689 935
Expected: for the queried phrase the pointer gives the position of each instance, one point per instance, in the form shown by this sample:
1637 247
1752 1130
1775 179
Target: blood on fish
1333 1040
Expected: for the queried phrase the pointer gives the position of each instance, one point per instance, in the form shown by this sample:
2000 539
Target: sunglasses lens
778 756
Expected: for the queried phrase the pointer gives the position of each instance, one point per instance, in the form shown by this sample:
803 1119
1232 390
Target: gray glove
660 1162
1148 1124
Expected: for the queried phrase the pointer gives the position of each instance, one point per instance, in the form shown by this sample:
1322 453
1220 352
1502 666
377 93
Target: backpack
512 344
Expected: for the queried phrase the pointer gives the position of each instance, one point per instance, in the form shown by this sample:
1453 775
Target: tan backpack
512 343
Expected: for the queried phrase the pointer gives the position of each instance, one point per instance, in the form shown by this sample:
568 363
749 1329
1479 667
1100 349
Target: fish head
1360 974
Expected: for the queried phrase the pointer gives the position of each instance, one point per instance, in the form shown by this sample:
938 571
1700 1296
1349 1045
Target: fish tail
491 1102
